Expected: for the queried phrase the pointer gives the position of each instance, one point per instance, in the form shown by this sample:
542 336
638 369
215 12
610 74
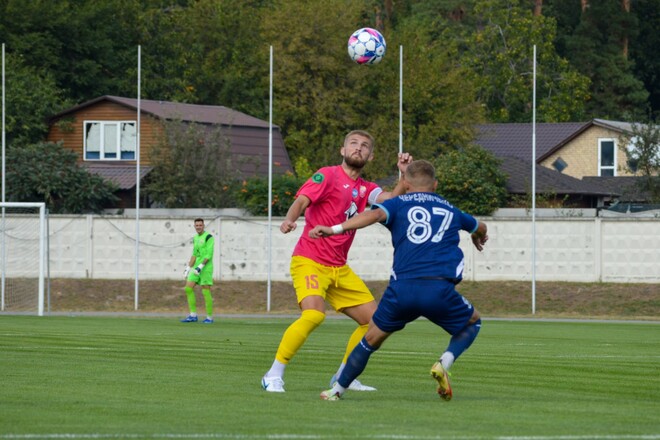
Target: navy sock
463 339
356 363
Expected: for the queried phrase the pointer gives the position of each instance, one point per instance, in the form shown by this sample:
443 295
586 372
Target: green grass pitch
118 377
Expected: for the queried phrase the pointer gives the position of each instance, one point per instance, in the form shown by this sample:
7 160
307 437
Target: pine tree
596 49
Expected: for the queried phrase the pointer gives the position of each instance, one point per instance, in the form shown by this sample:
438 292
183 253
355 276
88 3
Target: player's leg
357 362
310 281
208 302
190 296
458 343
461 340
459 318
206 281
349 295
388 318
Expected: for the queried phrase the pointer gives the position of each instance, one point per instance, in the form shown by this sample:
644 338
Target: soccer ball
366 46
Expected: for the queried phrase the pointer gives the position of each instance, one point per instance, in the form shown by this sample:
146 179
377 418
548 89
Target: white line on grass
81 436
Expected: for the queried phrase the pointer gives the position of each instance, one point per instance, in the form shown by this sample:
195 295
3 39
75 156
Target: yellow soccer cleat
439 373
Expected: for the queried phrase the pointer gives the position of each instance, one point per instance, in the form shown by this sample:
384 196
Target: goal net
23 257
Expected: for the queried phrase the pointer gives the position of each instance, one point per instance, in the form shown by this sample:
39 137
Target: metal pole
4 254
270 180
42 256
534 187
400 101
137 186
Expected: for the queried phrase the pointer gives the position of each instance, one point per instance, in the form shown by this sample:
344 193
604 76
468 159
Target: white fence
567 249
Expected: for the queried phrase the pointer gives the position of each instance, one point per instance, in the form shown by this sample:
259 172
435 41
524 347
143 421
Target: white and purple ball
366 46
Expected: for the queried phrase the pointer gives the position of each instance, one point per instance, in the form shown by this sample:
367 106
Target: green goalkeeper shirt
203 248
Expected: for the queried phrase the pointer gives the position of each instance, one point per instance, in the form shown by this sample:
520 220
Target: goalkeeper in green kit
200 271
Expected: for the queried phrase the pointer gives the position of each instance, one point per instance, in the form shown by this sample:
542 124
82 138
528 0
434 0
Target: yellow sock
296 335
354 340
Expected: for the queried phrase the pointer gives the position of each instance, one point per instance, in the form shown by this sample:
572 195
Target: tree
207 52
31 97
440 95
193 167
88 47
595 49
321 94
644 51
46 172
499 51
643 154
229 61
470 178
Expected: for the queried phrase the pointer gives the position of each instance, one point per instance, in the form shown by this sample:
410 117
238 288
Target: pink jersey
335 198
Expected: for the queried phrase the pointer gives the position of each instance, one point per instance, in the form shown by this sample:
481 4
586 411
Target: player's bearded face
357 152
356 160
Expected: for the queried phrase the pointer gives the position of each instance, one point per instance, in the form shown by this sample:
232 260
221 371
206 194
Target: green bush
46 172
471 180
253 194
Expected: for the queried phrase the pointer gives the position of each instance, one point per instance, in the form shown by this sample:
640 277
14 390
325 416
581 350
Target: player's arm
402 163
295 211
480 236
359 221
186 271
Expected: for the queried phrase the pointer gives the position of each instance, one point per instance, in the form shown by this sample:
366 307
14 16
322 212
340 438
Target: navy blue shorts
437 300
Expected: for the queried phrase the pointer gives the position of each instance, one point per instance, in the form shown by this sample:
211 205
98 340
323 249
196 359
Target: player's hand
404 160
186 271
479 241
287 226
199 268
321 231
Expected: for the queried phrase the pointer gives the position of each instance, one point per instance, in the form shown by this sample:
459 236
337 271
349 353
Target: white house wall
567 249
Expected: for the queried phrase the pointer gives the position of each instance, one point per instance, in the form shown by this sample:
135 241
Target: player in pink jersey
318 267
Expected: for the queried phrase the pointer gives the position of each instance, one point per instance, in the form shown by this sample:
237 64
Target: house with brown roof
576 160
103 132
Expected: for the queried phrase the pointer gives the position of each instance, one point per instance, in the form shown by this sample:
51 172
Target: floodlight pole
4 254
137 184
400 101
270 180
534 186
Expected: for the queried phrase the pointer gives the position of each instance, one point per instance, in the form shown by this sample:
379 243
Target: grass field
115 377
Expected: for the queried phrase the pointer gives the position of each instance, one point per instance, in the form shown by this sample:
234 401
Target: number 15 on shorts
312 281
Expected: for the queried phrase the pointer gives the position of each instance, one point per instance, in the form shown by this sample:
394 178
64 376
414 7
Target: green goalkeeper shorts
205 278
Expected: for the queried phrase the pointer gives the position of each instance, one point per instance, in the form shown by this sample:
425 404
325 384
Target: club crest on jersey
317 178
363 191
351 211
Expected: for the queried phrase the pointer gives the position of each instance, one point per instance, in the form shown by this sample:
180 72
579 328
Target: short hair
420 173
361 133
199 220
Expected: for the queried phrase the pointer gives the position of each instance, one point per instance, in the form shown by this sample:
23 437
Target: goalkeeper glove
199 268
186 272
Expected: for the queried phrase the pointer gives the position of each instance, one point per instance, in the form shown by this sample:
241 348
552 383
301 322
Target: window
559 164
606 157
110 140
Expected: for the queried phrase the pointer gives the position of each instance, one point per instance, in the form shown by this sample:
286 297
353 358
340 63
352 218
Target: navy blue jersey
425 235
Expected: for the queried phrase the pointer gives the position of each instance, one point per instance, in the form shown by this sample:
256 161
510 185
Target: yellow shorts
339 286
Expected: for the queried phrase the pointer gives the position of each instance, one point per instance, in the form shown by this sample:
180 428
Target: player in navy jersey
428 264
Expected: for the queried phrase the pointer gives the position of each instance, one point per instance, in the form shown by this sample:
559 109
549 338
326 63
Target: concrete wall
567 249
